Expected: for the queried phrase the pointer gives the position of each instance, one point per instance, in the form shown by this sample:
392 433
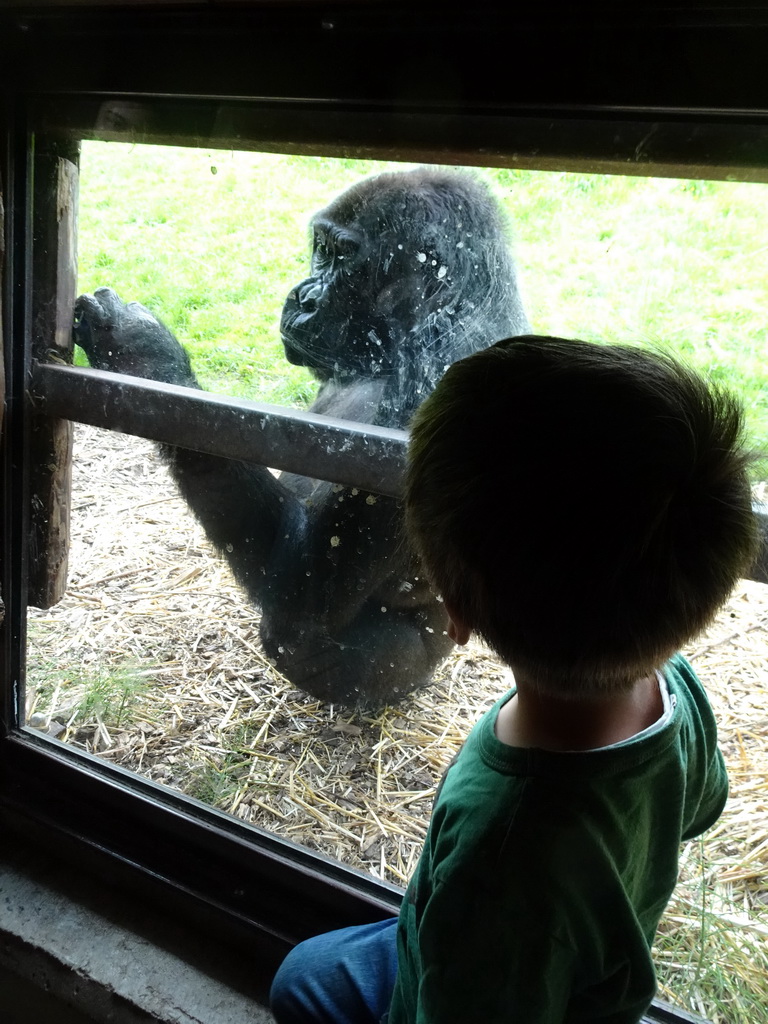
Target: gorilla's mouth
306 354
300 320
292 353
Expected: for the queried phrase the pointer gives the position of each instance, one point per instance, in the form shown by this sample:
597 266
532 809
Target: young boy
585 509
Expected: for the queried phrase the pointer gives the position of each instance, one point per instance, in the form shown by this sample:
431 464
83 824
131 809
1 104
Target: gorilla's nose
309 293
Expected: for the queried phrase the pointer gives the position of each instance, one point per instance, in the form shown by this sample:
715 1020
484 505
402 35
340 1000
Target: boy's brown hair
585 508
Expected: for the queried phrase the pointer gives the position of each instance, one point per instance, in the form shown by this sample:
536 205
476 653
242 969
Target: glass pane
154 661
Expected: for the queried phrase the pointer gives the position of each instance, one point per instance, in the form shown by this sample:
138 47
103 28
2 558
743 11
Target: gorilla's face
366 291
327 322
410 271
332 322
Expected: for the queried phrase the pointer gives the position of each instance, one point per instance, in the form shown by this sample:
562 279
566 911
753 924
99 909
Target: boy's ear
459 629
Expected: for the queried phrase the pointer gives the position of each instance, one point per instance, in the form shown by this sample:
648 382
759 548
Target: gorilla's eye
333 249
346 246
322 254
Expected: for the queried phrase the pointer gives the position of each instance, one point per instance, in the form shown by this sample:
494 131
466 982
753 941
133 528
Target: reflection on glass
153 660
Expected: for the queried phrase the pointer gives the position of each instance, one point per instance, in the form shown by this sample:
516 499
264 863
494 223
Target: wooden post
54 288
2 348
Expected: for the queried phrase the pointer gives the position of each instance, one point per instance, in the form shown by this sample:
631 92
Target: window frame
603 119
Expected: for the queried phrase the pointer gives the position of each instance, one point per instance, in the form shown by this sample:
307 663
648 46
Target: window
116 662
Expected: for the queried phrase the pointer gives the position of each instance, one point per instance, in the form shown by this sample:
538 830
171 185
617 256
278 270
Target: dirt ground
152 661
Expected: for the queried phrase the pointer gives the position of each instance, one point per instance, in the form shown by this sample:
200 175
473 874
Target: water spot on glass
429 629
335 541
307 573
355 490
337 487
399 247
281 650
459 245
371 499
383 607
420 256
230 549
441 273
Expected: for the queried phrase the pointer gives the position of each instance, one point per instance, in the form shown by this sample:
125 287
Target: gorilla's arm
282 550
126 338
343 614
240 505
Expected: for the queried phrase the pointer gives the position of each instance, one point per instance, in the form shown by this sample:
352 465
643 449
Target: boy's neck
532 719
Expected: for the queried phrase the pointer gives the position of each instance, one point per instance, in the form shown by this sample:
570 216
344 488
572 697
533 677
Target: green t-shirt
544 875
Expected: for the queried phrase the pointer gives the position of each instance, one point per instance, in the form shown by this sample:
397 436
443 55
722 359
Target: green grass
662 262
81 697
212 242
711 955
219 779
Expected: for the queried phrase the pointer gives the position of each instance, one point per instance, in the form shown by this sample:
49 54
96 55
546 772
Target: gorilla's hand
126 338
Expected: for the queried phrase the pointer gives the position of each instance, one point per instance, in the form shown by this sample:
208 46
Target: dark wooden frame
596 90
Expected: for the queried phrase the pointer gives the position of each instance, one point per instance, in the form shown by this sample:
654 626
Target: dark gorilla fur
410 272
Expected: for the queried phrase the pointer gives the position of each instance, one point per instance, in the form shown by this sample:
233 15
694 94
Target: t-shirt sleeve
707 789
714 794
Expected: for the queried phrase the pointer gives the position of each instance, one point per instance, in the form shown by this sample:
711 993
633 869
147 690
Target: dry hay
152 661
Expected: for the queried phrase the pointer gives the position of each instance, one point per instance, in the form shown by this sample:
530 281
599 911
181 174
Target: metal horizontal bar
356 454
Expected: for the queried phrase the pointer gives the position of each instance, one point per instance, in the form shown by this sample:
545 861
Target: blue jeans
341 977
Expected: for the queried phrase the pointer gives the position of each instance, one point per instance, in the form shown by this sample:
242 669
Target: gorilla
409 272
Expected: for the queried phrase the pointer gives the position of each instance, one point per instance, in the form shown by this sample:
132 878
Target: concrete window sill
72 955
